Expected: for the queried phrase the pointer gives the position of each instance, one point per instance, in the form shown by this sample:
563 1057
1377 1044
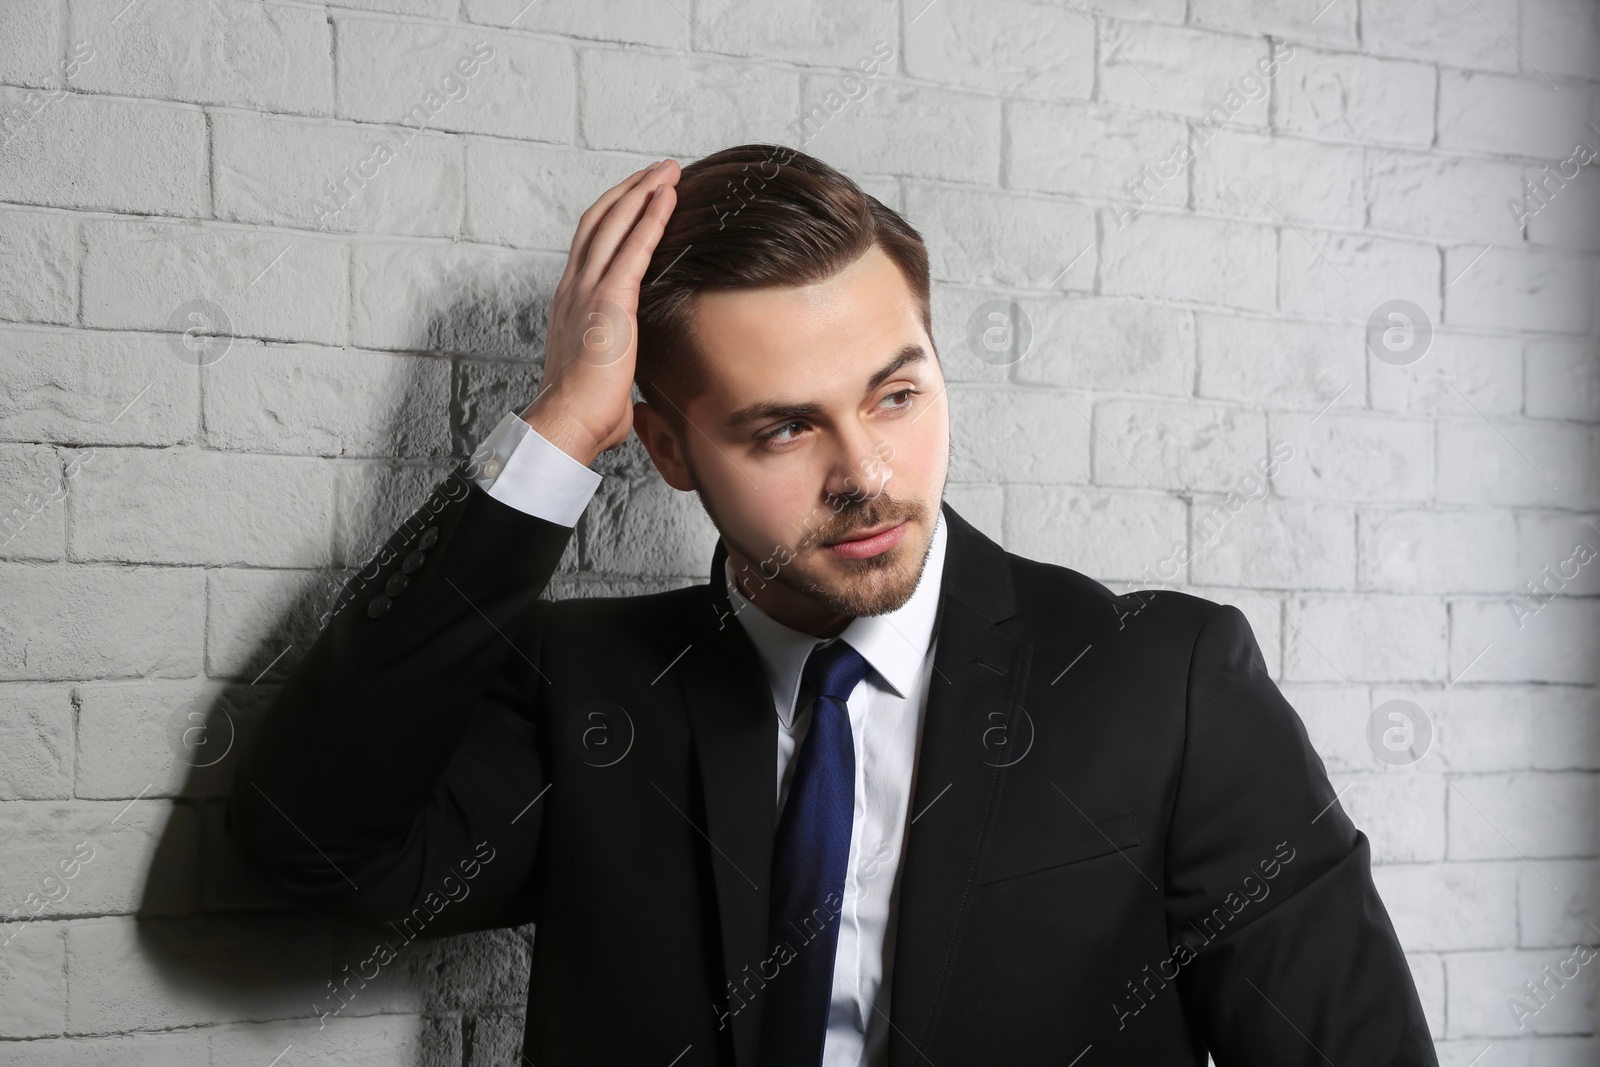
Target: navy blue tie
809 856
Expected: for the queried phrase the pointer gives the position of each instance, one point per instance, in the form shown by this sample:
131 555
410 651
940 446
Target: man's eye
774 435
907 393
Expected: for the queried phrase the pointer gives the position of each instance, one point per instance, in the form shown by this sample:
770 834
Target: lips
861 535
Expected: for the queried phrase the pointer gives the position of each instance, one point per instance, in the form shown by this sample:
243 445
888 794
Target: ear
662 442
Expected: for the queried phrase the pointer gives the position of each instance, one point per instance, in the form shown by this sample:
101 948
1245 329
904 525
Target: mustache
853 519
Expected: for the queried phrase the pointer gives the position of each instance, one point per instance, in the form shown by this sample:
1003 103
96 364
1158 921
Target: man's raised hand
585 404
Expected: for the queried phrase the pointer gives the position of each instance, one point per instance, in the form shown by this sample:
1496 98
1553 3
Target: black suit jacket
1124 848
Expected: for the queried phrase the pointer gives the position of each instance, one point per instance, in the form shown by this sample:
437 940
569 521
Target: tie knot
834 670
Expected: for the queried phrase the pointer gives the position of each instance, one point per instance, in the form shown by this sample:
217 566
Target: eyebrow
763 410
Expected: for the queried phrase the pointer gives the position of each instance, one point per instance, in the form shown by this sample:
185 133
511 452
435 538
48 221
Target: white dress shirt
522 469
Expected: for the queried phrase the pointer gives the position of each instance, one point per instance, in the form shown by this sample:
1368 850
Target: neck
783 604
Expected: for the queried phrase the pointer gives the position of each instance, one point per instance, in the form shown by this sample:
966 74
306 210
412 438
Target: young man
881 792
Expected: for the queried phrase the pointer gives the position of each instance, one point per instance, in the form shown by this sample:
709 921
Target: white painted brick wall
173 532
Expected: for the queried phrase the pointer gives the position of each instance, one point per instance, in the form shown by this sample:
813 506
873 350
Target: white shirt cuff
519 467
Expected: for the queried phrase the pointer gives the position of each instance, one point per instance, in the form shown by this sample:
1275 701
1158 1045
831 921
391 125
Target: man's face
823 420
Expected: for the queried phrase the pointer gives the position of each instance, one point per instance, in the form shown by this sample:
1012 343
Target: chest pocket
1017 856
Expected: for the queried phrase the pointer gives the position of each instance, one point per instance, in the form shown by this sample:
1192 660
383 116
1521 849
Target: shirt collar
893 644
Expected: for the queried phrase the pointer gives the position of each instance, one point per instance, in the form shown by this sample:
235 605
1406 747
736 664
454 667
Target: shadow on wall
247 952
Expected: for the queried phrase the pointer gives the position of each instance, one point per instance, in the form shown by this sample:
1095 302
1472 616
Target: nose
861 470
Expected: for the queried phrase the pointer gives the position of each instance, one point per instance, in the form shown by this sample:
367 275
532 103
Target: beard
875 585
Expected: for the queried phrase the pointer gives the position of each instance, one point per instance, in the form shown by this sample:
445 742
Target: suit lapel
736 742
979 674
978 678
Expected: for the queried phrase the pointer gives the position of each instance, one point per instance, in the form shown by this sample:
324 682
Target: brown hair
747 217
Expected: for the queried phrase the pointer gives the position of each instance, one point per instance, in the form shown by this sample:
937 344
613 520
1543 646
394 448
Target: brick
444 78
641 102
34 48
888 130
1450 906
1366 639
1436 31
1178 445
1355 457
1450 197
109 622
1422 551
1004 46
1553 643
1556 902
96 388
163 739
635 21
278 286
269 56
358 1041
1518 462
185 1049
435 9
1515 290
980 332
36 742
1348 276
1268 178
1107 535
1558 552
146 506
1335 718
38 267
1561 37
1183 72
295 172
372 500
978 237
1133 151
1403 815
308 400
1190 259
32 513
1484 986
1282 18
260 623
647 528
102 855
1119 345
35 974
104 155
1510 115
263 966
1011 435
454 299
820 32
1284 364
1345 97
1489 728
982 505
1460 374
1569 217
1563 379
1485 809
1275 544
532 196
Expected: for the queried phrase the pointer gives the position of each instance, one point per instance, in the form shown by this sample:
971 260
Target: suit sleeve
397 773
1292 959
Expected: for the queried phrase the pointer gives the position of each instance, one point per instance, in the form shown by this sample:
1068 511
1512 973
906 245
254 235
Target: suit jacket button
397 584
413 562
430 537
379 606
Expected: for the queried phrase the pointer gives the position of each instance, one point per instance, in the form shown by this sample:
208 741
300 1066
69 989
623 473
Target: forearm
356 744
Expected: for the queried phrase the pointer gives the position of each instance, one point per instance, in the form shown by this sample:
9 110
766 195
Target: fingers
591 220
627 267
632 211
